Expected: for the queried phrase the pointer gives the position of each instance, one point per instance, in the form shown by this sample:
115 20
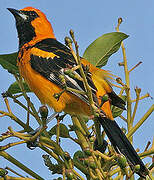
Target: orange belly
45 90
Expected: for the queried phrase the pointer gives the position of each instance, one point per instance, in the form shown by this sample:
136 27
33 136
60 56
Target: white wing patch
73 82
52 76
68 78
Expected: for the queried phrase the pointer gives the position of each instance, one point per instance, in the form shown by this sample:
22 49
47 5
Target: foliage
92 163
99 51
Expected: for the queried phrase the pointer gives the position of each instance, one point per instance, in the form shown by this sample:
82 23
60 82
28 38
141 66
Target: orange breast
45 90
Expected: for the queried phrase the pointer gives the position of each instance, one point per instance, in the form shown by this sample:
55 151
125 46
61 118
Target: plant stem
98 174
147 153
2 148
129 122
86 85
79 166
20 165
19 80
98 131
18 121
82 139
103 156
16 178
141 121
136 103
13 171
142 97
135 66
7 105
58 131
123 118
77 174
52 154
22 105
83 124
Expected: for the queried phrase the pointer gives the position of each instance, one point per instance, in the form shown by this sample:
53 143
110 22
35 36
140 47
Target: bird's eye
33 14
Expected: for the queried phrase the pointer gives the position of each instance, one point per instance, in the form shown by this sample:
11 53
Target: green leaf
14 88
9 62
64 132
116 111
99 51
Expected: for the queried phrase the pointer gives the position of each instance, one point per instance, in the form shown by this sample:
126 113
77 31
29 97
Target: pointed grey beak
18 13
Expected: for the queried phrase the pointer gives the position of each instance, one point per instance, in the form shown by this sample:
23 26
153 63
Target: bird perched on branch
43 62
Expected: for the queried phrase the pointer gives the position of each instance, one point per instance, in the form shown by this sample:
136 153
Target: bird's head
32 25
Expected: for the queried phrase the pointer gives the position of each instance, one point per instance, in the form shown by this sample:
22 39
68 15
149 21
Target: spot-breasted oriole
42 60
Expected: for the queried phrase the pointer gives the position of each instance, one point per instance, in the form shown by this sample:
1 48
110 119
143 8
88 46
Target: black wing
52 67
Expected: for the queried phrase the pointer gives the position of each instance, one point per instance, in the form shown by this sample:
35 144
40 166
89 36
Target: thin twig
123 118
20 82
13 171
77 174
58 131
129 123
135 66
18 121
2 148
138 91
141 121
147 153
20 165
22 105
7 105
142 97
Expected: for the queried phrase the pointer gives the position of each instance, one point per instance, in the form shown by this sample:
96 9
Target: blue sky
89 20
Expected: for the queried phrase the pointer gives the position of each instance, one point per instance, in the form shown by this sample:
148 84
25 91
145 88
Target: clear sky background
89 19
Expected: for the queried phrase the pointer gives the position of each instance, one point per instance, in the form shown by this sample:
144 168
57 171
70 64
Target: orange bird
42 60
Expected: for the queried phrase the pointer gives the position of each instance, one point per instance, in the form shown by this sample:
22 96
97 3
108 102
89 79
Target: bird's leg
54 115
49 119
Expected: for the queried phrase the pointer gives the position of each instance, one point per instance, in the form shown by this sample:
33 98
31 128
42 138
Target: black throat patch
26 32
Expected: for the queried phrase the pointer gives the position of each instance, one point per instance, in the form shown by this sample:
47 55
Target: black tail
122 145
